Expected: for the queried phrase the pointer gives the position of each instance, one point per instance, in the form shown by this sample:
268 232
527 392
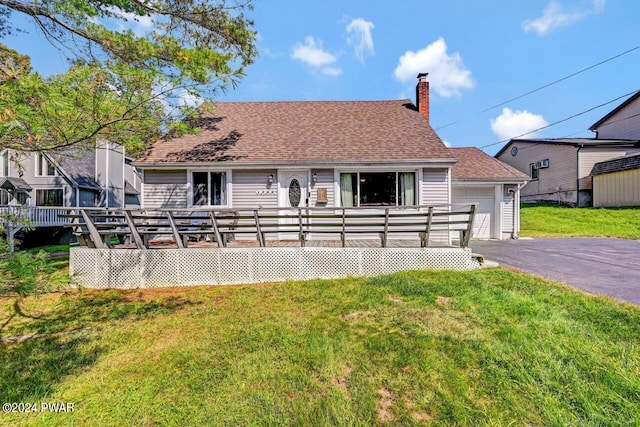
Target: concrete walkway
596 265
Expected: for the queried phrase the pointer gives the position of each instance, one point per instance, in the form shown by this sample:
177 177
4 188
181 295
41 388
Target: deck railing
35 216
95 227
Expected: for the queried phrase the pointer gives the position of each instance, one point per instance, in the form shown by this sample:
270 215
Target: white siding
250 189
507 212
617 189
435 187
110 173
484 198
165 189
325 181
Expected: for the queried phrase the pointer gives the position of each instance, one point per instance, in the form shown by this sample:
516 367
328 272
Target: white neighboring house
324 154
37 183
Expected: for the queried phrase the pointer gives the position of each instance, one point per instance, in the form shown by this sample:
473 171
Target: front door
293 195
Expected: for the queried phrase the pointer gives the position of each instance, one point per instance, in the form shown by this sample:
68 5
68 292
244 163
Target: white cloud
554 17
311 53
360 38
332 71
189 99
513 124
447 73
447 144
140 25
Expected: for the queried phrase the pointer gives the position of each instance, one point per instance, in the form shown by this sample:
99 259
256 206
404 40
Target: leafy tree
129 87
22 273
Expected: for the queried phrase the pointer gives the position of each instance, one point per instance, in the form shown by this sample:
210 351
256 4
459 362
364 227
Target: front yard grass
489 347
540 220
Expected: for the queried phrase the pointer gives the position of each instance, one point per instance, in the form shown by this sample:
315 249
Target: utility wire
560 121
543 87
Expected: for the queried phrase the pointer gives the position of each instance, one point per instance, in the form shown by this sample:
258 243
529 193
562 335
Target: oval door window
294 193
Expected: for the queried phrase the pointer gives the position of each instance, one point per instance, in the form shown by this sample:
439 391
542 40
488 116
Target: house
319 154
616 182
623 122
494 186
560 168
37 183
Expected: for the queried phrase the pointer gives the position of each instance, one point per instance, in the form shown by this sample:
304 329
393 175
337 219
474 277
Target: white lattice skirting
136 268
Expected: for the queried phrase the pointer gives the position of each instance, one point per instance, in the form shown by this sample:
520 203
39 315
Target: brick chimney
422 95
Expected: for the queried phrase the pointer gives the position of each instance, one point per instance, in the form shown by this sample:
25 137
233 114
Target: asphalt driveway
596 265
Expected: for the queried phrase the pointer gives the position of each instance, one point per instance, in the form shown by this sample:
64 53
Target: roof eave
629 100
297 163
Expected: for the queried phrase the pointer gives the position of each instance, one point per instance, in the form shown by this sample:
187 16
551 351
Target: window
209 188
378 189
294 193
22 197
50 197
4 163
4 197
44 166
534 171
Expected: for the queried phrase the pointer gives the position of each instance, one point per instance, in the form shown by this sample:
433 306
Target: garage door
484 197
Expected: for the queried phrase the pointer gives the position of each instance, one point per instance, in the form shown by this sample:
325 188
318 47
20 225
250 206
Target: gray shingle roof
79 165
13 183
618 164
305 132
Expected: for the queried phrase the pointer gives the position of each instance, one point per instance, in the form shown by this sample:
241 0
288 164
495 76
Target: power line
543 87
575 133
562 120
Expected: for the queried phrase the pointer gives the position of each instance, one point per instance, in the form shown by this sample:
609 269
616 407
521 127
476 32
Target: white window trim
417 177
38 164
190 188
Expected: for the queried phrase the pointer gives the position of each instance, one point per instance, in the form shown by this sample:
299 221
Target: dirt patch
343 381
443 301
393 298
384 405
417 415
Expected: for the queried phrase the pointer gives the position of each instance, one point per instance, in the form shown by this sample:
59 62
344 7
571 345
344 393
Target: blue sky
477 54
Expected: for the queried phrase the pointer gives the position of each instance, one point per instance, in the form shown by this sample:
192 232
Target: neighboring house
616 182
494 186
68 178
623 122
317 154
560 168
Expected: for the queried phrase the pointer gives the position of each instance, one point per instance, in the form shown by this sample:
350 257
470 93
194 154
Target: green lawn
489 347
559 221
